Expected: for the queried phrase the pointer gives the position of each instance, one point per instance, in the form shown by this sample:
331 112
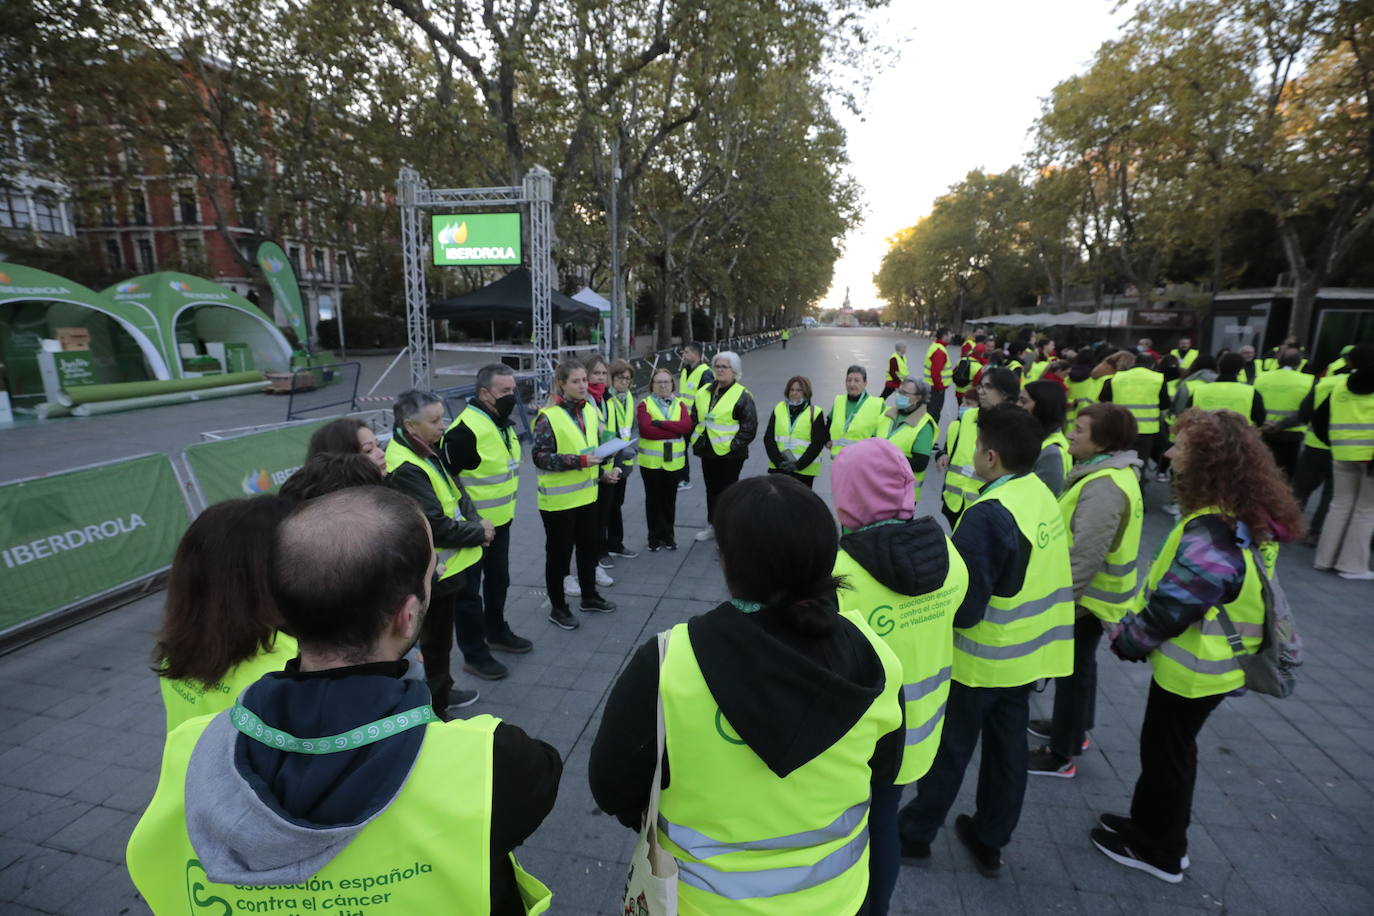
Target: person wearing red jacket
663 420
939 372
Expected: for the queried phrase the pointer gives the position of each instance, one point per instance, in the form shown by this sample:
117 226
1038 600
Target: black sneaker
1119 849
1045 762
515 645
460 698
653 548
987 859
625 553
563 618
605 562
488 669
1120 823
671 545
1040 728
598 604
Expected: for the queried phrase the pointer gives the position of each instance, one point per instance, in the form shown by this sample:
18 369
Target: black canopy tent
509 299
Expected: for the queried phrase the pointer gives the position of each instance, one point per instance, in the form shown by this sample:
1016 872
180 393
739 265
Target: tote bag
651 887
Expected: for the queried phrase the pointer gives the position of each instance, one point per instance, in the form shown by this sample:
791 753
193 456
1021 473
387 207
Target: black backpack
963 372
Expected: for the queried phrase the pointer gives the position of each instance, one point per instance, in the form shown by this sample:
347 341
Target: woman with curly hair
1206 578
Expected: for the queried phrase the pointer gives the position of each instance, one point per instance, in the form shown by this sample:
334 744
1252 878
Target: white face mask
795 402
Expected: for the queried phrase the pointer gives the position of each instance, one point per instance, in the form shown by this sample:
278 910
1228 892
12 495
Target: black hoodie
788 695
910 558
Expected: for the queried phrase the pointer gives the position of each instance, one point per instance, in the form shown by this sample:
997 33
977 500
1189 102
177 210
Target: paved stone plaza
1285 788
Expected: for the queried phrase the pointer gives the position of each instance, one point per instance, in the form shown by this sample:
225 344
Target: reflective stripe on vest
1234 396
1200 662
1060 441
1028 635
621 420
785 434
454 560
901 365
1283 391
577 487
1137 390
904 436
1321 393
689 381
961 481
1113 588
400 841
745 840
1352 423
491 485
946 372
846 429
718 420
919 630
652 452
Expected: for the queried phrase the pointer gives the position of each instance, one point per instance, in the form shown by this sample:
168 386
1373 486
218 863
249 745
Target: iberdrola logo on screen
127 287
477 238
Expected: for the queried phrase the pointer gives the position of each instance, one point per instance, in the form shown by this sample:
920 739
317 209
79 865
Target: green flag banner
249 465
71 536
276 267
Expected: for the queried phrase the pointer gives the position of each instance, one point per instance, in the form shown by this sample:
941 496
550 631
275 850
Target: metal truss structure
535 194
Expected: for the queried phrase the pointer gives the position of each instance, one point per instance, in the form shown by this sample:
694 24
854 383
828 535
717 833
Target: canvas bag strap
1232 637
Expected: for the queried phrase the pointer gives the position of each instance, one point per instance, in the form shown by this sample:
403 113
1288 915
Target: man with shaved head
337 770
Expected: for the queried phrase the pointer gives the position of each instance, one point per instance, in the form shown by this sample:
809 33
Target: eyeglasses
625 376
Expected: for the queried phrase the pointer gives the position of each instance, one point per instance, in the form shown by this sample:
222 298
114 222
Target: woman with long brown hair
220 628
1207 578
347 436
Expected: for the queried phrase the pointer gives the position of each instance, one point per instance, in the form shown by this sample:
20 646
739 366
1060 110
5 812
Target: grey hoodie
1183 396
1099 519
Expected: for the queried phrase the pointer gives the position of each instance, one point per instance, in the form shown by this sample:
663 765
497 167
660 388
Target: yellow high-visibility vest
453 560
491 485
394 866
1028 635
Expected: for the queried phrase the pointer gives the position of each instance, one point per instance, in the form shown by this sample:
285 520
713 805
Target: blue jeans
1000 716
480 611
884 849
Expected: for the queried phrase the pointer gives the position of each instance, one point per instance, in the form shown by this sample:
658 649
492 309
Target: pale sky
963 95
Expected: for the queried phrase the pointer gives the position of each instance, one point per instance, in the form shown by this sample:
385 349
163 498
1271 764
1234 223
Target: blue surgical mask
902 401
963 409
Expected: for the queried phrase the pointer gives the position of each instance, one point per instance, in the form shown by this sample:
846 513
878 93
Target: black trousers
999 715
1075 696
436 641
1314 473
937 404
1144 449
610 497
686 472
566 530
660 504
1163 802
718 473
805 479
1285 447
480 612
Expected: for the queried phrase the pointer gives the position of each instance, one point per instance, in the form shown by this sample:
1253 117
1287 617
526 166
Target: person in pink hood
904 579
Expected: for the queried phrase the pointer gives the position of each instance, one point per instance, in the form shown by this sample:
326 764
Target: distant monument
845 318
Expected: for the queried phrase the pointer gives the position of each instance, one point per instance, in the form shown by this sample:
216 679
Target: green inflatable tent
192 314
34 304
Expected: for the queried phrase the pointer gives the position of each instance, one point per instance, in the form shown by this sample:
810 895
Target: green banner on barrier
74 535
249 465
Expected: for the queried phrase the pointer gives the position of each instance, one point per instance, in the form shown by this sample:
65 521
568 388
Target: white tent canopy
588 296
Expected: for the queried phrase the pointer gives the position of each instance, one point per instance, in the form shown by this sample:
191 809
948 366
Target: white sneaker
706 534
1358 576
570 586
603 578
1174 510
